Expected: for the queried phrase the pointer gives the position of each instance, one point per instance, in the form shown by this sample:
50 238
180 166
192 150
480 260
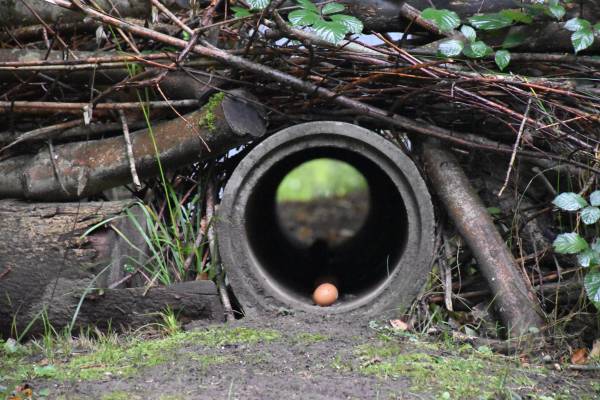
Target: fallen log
20 13
46 268
514 301
121 309
81 169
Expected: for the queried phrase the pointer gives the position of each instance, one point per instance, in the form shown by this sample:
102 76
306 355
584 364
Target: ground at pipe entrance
283 357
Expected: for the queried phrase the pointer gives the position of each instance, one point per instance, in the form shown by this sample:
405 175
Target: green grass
123 357
321 178
461 373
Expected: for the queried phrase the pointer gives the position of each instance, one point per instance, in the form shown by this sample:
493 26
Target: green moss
118 395
468 376
310 338
128 357
208 120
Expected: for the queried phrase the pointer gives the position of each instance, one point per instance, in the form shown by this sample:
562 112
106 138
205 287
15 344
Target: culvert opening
322 204
360 256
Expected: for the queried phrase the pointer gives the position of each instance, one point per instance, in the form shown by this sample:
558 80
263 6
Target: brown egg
325 295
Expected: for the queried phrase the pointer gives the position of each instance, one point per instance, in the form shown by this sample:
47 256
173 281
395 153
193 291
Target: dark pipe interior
360 264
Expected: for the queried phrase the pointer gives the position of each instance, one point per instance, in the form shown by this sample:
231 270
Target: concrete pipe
378 271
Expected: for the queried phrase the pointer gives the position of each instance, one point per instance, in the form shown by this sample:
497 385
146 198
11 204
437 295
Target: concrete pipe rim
260 285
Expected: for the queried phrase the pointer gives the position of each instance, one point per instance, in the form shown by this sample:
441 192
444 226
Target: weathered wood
45 264
514 301
39 243
82 169
123 308
16 12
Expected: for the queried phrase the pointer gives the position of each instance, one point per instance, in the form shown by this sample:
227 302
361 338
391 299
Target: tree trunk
45 264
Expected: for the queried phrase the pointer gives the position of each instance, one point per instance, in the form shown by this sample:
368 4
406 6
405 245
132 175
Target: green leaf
332 8
513 39
588 258
557 11
569 201
240 12
517 16
258 4
477 49
592 286
330 31
494 211
488 22
186 36
445 20
308 5
502 59
597 27
569 243
468 32
352 24
595 198
577 24
590 215
302 17
582 39
451 48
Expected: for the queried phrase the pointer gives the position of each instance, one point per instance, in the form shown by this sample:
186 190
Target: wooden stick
516 304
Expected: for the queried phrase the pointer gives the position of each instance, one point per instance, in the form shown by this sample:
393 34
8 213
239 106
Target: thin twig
136 180
515 148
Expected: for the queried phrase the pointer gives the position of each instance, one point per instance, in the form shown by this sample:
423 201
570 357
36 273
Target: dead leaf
595 353
399 324
579 356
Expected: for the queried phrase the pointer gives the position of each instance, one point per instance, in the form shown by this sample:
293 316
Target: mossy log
82 169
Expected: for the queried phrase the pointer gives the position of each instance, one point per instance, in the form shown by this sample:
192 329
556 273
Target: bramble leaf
332 8
582 39
595 198
577 24
451 48
569 201
445 20
569 243
468 33
258 4
477 49
592 286
502 59
352 24
330 31
302 17
590 215
240 12
488 22
308 5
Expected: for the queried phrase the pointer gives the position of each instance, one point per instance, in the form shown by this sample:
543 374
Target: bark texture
514 301
16 13
82 169
46 265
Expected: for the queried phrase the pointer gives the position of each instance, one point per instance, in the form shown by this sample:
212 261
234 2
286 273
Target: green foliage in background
588 255
582 37
321 178
325 20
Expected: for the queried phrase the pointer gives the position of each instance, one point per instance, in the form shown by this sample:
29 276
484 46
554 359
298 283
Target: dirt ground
293 357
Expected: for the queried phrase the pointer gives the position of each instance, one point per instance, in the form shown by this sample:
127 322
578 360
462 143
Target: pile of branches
75 75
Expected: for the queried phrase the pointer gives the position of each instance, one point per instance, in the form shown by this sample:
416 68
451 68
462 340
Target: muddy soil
321 358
